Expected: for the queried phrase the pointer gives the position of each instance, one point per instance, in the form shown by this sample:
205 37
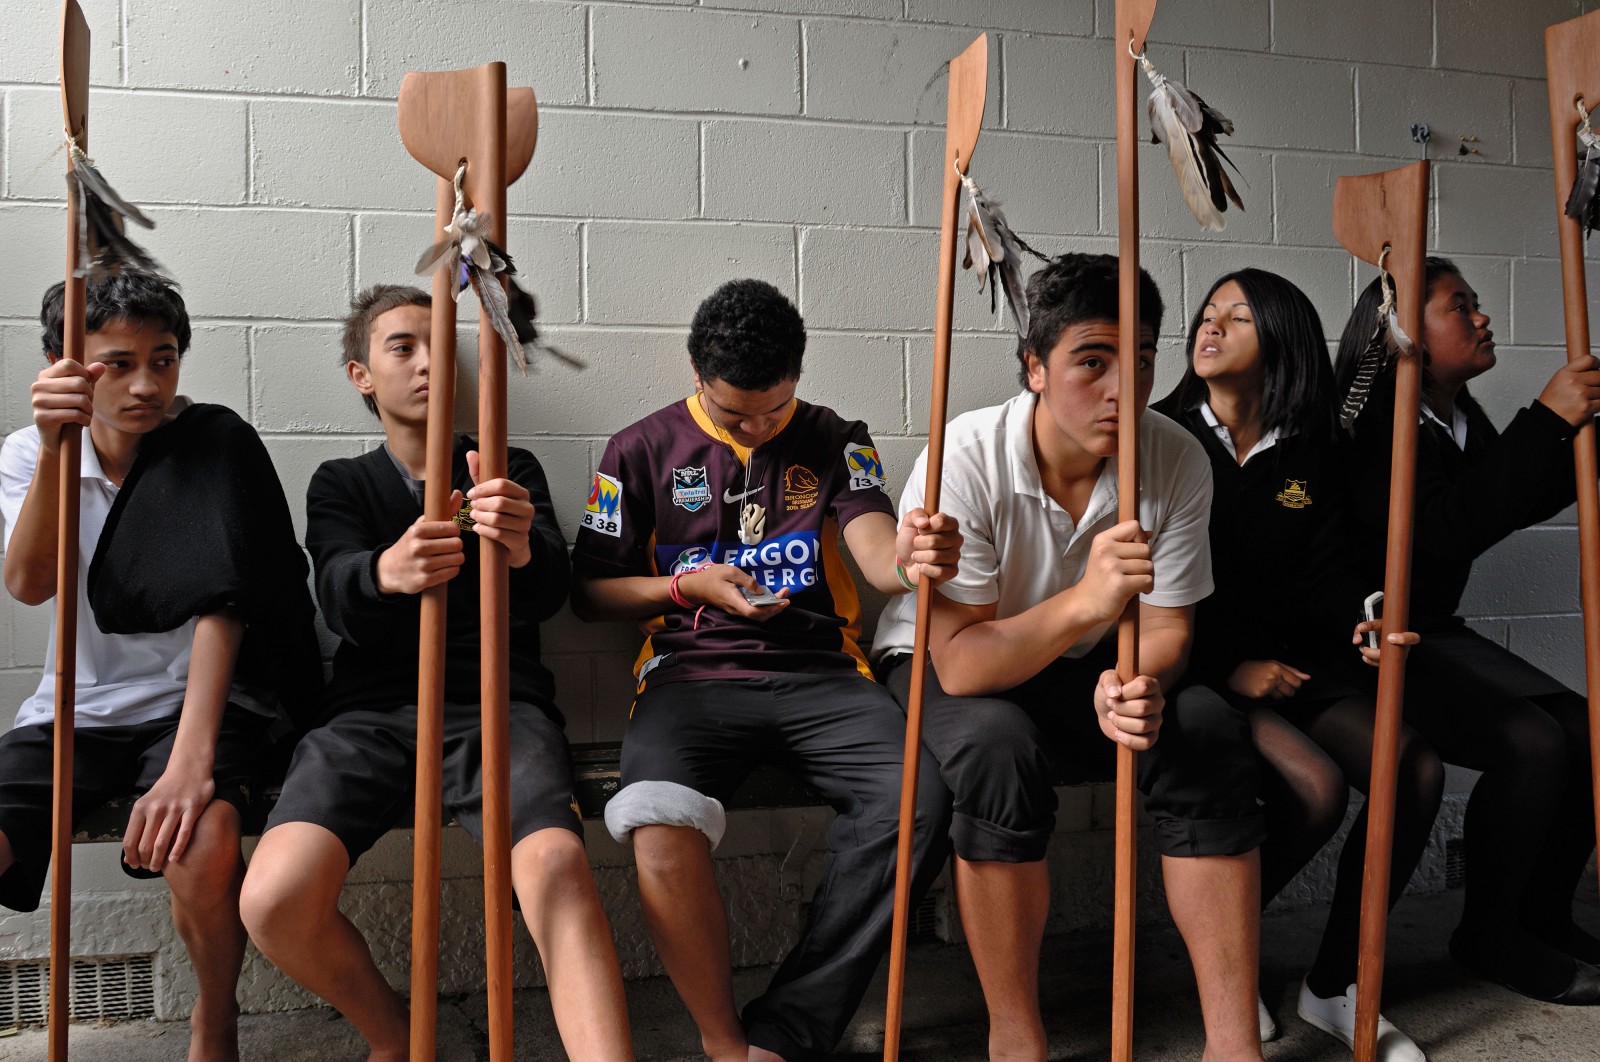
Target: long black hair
1363 322
1297 387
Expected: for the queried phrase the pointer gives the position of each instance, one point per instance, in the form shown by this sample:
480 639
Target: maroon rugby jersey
667 497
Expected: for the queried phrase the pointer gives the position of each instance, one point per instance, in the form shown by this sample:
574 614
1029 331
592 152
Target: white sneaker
1269 1028
1336 1016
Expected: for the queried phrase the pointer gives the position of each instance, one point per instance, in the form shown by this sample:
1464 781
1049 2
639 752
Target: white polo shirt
121 678
1021 547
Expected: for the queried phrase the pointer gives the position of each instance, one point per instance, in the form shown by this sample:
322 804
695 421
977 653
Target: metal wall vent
924 921
1455 862
101 989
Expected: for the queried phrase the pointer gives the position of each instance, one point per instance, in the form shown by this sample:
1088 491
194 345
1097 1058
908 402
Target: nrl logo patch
689 488
1294 494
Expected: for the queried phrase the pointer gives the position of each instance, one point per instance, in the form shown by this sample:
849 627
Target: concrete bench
596 776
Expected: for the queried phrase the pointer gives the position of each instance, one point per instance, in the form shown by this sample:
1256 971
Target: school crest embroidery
463 519
603 513
689 488
1294 494
865 468
799 488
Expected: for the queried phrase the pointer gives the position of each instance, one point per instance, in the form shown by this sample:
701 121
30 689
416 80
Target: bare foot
729 1050
214 1037
761 1054
390 1056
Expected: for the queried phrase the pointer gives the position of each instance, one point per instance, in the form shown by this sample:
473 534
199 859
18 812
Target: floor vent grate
1455 862
924 921
101 989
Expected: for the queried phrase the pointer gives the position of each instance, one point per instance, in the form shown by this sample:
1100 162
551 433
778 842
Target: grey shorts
355 775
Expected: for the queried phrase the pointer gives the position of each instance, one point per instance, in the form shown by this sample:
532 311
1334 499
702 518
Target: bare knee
291 889
206 876
550 861
670 852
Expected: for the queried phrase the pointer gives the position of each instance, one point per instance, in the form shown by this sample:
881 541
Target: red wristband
672 587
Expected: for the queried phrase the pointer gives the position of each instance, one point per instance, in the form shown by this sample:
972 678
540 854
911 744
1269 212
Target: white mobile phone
760 597
1372 609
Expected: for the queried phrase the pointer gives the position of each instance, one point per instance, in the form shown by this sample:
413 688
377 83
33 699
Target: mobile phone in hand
1372 609
760 597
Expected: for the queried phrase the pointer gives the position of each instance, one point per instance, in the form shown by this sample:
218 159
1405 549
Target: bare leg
7 857
561 905
205 911
1215 901
688 924
1003 911
290 904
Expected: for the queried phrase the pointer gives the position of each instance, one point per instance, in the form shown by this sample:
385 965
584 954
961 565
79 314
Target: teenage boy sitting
352 778
1023 647
739 488
166 486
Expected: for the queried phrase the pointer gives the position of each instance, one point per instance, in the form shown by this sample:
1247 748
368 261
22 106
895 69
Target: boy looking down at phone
700 513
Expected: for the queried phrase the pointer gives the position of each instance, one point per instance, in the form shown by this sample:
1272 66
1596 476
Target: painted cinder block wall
682 144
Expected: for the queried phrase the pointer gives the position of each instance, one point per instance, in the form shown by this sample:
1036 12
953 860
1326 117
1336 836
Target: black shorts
107 762
999 754
355 775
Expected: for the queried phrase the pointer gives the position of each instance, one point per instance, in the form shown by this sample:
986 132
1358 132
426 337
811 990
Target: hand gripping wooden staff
1132 26
447 118
1572 65
75 115
969 80
1382 218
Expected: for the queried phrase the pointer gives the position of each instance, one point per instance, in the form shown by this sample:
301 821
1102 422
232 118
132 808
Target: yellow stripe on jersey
846 602
653 624
698 412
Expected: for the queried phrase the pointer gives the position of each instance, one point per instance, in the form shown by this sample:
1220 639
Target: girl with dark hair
1530 821
1257 393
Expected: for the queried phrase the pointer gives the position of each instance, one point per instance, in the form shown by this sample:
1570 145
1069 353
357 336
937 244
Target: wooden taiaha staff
1572 66
1132 26
75 115
448 119
969 77
1382 218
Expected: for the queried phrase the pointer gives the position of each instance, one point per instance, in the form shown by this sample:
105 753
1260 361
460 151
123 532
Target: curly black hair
142 298
1073 288
748 335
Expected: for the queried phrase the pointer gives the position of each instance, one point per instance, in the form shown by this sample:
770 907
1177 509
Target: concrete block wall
684 143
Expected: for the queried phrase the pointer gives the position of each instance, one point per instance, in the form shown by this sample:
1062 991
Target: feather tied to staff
1583 204
1389 342
1190 127
104 249
472 258
994 251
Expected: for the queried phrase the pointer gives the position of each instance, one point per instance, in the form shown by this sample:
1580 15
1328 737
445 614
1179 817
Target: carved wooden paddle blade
1572 68
522 131
440 113
969 83
74 68
1388 209
1133 21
